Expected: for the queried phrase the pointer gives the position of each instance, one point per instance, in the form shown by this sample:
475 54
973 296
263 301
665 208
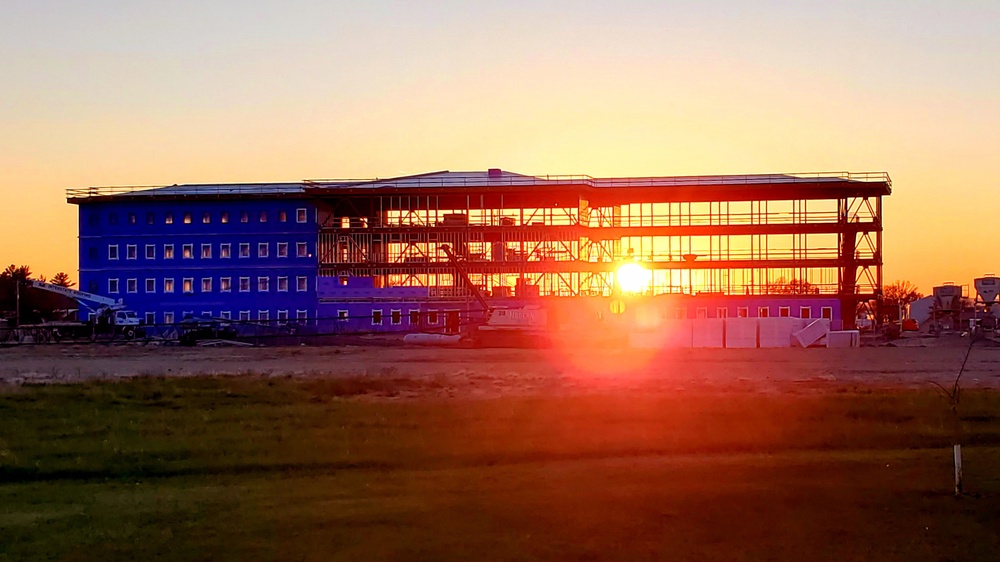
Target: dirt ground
495 372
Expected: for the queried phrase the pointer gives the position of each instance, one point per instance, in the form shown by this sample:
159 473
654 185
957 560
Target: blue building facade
244 258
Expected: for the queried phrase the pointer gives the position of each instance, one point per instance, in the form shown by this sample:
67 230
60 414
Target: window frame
206 251
113 285
302 215
150 251
113 252
150 281
280 279
266 246
225 284
263 284
206 282
168 285
168 251
187 285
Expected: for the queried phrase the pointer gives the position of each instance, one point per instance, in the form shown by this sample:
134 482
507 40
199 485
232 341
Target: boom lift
110 317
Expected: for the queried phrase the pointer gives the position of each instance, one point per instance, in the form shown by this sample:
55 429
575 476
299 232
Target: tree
14 272
62 279
28 304
900 293
895 296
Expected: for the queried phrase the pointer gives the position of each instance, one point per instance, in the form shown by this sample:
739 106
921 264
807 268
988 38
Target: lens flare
633 278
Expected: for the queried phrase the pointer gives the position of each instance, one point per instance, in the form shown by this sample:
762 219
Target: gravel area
489 372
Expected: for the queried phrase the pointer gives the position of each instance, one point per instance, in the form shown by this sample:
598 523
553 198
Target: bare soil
497 372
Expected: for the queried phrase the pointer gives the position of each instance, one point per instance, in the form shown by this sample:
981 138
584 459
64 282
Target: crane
111 314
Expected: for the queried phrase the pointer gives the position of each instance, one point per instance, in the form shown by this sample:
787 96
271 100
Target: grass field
260 468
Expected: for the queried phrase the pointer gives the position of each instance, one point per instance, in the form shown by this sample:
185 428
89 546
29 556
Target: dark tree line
35 305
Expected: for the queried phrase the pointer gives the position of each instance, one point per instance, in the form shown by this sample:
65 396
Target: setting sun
634 278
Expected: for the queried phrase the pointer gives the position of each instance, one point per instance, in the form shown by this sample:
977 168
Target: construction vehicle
525 326
107 317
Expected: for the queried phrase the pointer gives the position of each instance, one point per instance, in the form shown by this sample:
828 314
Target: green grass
282 469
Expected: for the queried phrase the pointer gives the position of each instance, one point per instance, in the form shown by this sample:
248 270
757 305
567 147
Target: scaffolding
567 235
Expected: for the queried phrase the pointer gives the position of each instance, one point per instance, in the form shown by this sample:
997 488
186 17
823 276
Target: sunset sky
150 93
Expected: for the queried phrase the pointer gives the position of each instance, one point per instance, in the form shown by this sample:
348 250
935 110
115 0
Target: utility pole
17 303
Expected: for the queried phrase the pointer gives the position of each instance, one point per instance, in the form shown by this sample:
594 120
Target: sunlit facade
371 251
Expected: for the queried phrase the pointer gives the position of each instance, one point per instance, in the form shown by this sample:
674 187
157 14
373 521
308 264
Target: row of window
225 285
395 316
243 315
187 217
762 312
187 251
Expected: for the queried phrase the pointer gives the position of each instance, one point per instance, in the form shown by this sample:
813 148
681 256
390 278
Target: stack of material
777 332
844 338
812 333
741 332
669 334
677 333
708 332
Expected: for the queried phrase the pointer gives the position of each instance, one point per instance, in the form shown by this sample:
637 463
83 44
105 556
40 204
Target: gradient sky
152 93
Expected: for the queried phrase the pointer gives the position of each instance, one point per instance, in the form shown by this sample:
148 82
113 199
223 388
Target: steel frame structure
567 235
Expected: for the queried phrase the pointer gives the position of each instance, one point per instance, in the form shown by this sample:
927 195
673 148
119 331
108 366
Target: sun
633 278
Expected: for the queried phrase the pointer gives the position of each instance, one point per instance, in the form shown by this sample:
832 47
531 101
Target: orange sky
104 93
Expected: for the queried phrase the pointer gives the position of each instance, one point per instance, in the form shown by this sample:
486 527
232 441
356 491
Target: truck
107 317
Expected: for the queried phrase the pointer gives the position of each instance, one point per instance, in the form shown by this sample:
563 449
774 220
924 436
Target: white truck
107 316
